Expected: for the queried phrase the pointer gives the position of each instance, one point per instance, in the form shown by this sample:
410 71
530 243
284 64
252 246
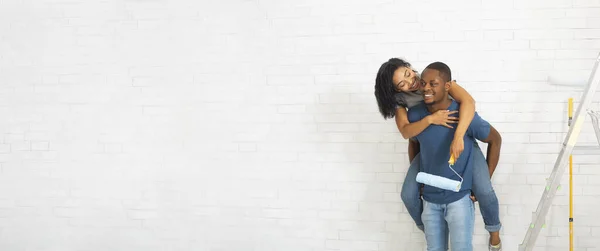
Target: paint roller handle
450 164
570 114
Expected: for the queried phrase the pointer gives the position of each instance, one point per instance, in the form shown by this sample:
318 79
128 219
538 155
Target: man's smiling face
434 87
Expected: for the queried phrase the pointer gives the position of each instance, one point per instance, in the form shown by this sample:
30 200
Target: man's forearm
413 150
493 156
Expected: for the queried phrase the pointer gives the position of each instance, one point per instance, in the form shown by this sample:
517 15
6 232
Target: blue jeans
482 188
455 219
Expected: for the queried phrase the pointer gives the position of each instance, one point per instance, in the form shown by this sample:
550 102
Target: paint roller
439 181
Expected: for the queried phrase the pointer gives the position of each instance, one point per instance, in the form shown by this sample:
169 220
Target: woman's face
405 80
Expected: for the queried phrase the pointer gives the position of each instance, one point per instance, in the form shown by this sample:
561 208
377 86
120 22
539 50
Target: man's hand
473 197
443 118
457 147
413 149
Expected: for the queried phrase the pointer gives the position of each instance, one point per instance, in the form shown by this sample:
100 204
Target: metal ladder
539 216
591 150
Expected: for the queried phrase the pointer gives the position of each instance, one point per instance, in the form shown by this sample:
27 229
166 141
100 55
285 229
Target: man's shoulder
417 111
454 106
418 108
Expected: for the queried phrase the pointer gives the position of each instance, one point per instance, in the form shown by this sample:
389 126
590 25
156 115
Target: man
447 212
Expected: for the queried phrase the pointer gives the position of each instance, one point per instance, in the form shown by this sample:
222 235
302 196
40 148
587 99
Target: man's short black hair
444 70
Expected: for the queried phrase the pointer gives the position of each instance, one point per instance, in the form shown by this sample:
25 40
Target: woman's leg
410 193
485 194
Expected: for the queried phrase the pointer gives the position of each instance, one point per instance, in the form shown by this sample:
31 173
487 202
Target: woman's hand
457 147
443 118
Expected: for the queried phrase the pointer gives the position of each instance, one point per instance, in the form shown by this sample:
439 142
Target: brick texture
252 125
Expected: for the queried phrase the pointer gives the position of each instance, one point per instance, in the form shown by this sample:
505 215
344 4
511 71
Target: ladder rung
585 150
595 116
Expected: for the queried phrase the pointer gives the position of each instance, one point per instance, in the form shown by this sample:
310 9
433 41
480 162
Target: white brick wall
252 125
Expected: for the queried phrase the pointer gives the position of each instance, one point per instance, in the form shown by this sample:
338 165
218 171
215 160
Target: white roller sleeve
438 181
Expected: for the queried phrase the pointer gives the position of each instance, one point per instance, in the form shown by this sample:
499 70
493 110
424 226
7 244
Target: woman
396 90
